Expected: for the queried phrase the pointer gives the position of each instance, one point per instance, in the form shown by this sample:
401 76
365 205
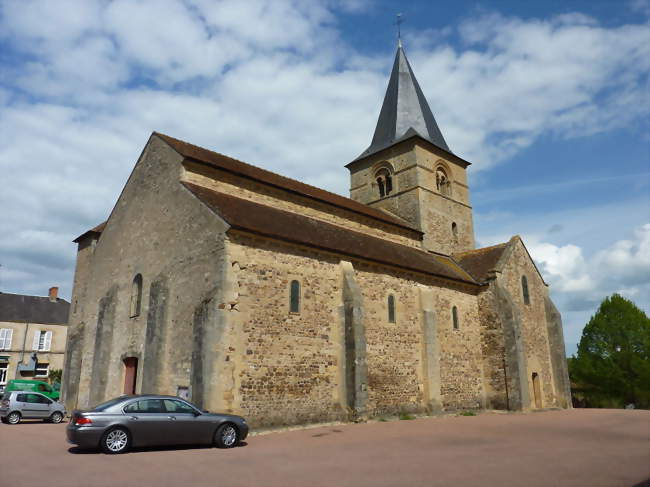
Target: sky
549 100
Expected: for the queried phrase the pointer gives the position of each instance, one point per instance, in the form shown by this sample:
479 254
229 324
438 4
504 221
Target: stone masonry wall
291 368
396 372
289 363
533 318
393 350
493 350
161 231
438 213
415 197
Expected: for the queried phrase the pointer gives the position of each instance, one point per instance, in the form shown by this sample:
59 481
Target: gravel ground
553 448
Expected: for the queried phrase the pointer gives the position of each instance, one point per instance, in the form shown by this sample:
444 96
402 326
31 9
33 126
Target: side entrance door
130 374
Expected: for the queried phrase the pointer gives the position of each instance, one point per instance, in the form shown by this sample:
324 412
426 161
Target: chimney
54 294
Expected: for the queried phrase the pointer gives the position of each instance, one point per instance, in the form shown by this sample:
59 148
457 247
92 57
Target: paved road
555 448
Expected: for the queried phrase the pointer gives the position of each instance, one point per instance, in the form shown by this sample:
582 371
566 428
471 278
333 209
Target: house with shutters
253 293
33 333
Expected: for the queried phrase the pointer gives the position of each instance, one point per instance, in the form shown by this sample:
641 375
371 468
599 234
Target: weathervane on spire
398 23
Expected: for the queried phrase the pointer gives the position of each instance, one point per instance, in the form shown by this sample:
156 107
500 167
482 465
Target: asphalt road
554 448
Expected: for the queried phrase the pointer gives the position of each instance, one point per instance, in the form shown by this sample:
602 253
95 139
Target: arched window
443 185
384 182
380 185
454 231
454 317
136 295
391 308
294 298
524 289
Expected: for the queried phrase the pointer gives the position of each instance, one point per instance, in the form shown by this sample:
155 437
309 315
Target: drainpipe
505 381
22 352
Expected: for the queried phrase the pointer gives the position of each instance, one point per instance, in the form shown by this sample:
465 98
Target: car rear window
105 405
145 406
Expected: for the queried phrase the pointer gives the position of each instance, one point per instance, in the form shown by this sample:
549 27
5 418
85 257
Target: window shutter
8 334
48 340
37 336
3 333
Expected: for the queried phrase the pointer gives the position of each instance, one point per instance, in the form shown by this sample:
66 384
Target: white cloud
518 79
580 283
622 265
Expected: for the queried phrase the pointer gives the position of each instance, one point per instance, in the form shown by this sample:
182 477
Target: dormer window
384 181
443 184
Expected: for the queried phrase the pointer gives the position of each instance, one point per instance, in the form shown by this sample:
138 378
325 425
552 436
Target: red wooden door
130 372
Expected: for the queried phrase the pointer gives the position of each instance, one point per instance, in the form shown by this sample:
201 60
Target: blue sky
548 100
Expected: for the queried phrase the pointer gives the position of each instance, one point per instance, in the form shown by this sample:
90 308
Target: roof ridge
466 252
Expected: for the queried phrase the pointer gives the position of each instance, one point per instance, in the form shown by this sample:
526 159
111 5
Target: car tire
115 440
56 417
13 417
226 436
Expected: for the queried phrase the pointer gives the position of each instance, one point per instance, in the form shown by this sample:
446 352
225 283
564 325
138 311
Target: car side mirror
196 413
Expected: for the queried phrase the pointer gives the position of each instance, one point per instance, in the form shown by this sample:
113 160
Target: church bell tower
409 170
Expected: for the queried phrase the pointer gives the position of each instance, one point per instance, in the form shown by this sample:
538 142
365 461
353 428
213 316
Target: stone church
250 292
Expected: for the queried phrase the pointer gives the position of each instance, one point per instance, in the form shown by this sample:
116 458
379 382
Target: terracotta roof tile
480 262
252 172
97 230
283 225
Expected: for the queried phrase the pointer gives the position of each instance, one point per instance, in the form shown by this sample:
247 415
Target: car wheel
13 418
56 417
116 440
226 436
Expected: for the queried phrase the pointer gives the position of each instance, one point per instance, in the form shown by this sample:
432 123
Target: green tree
612 367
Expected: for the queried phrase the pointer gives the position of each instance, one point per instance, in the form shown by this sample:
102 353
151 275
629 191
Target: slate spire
405 111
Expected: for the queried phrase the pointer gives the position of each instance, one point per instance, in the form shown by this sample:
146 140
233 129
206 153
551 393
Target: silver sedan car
17 405
152 420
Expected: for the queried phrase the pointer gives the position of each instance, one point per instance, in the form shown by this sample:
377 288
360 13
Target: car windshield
105 405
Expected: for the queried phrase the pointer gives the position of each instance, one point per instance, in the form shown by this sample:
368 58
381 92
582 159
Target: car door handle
133 418
172 417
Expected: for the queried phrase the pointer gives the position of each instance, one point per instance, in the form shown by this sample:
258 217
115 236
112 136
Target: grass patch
406 417
467 413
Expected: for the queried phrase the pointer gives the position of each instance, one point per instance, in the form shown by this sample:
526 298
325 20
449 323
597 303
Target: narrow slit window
454 317
454 231
136 296
524 289
294 299
391 309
